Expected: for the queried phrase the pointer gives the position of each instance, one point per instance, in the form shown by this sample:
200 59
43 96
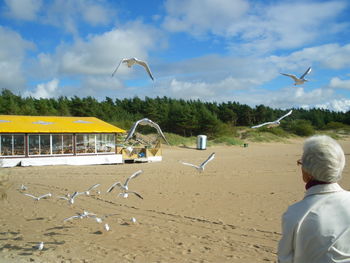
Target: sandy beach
229 213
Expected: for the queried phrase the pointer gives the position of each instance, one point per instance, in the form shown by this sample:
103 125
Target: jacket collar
323 189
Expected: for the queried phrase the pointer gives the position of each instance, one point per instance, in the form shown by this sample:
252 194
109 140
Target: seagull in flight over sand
301 79
132 61
37 198
145 121
70 198
273 123
200 168
85 214
87 192
124 187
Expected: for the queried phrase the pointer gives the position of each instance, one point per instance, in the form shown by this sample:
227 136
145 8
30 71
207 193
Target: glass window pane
91 143
67 143
18 144
80 143
33 141
44 144
57 144
6 144
111 143
105 143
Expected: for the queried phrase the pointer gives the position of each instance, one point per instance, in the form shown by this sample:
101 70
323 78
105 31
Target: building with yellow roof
52 140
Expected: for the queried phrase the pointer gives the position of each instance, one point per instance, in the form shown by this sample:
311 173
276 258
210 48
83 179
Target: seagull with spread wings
273 123
37 198
125 187
301 79
87 192
145 121
200 167
132 61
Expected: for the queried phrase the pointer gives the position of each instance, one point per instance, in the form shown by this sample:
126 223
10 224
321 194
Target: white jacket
317 229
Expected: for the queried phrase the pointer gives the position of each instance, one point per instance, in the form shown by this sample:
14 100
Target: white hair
323 158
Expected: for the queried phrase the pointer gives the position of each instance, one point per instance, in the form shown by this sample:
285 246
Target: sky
211 50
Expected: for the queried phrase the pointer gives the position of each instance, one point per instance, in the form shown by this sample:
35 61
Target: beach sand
229 213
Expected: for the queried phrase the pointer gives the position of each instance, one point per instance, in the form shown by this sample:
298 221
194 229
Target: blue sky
212 50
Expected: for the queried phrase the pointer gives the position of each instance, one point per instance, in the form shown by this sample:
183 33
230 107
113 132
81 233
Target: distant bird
23 187
70 198
132 61
145 121
40 246
124 187
107 227
125 194
273 123
85 214
200 168
87 192
39 197
133 220
301 79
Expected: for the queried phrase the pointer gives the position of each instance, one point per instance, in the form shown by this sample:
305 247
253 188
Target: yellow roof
53 124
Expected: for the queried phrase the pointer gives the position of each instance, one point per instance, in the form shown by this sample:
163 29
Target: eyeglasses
299 162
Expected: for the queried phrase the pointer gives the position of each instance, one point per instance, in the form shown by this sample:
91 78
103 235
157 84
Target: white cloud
200 16
23 9
12 55
255 27
342 105
45 90
338 83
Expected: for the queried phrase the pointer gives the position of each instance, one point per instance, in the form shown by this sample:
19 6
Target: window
18 144
6 145
105 143
67 143
85 143
45 144
34 144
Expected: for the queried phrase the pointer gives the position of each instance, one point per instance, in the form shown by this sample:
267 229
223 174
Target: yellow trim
54 124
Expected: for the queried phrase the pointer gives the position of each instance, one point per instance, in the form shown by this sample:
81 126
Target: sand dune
229 213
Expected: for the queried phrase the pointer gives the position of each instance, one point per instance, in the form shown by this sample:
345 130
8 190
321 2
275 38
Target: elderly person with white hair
317 228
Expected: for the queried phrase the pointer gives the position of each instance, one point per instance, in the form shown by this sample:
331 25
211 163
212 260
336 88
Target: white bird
133 220
107 227
301 79
145 121
39 197
200 168
23 187
125 194
87 192
132 61
125 186
273 123
70 198
85 214
40 246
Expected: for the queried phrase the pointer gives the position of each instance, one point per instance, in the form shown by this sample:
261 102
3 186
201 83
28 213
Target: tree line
183 117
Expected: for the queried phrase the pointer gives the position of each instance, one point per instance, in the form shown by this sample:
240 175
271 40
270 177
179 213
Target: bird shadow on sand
35 219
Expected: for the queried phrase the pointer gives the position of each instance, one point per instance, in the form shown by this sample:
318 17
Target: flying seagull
85 214
132 61
87 192
200 168
124 187
145 121
70 198
39 197
301 79
273 123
